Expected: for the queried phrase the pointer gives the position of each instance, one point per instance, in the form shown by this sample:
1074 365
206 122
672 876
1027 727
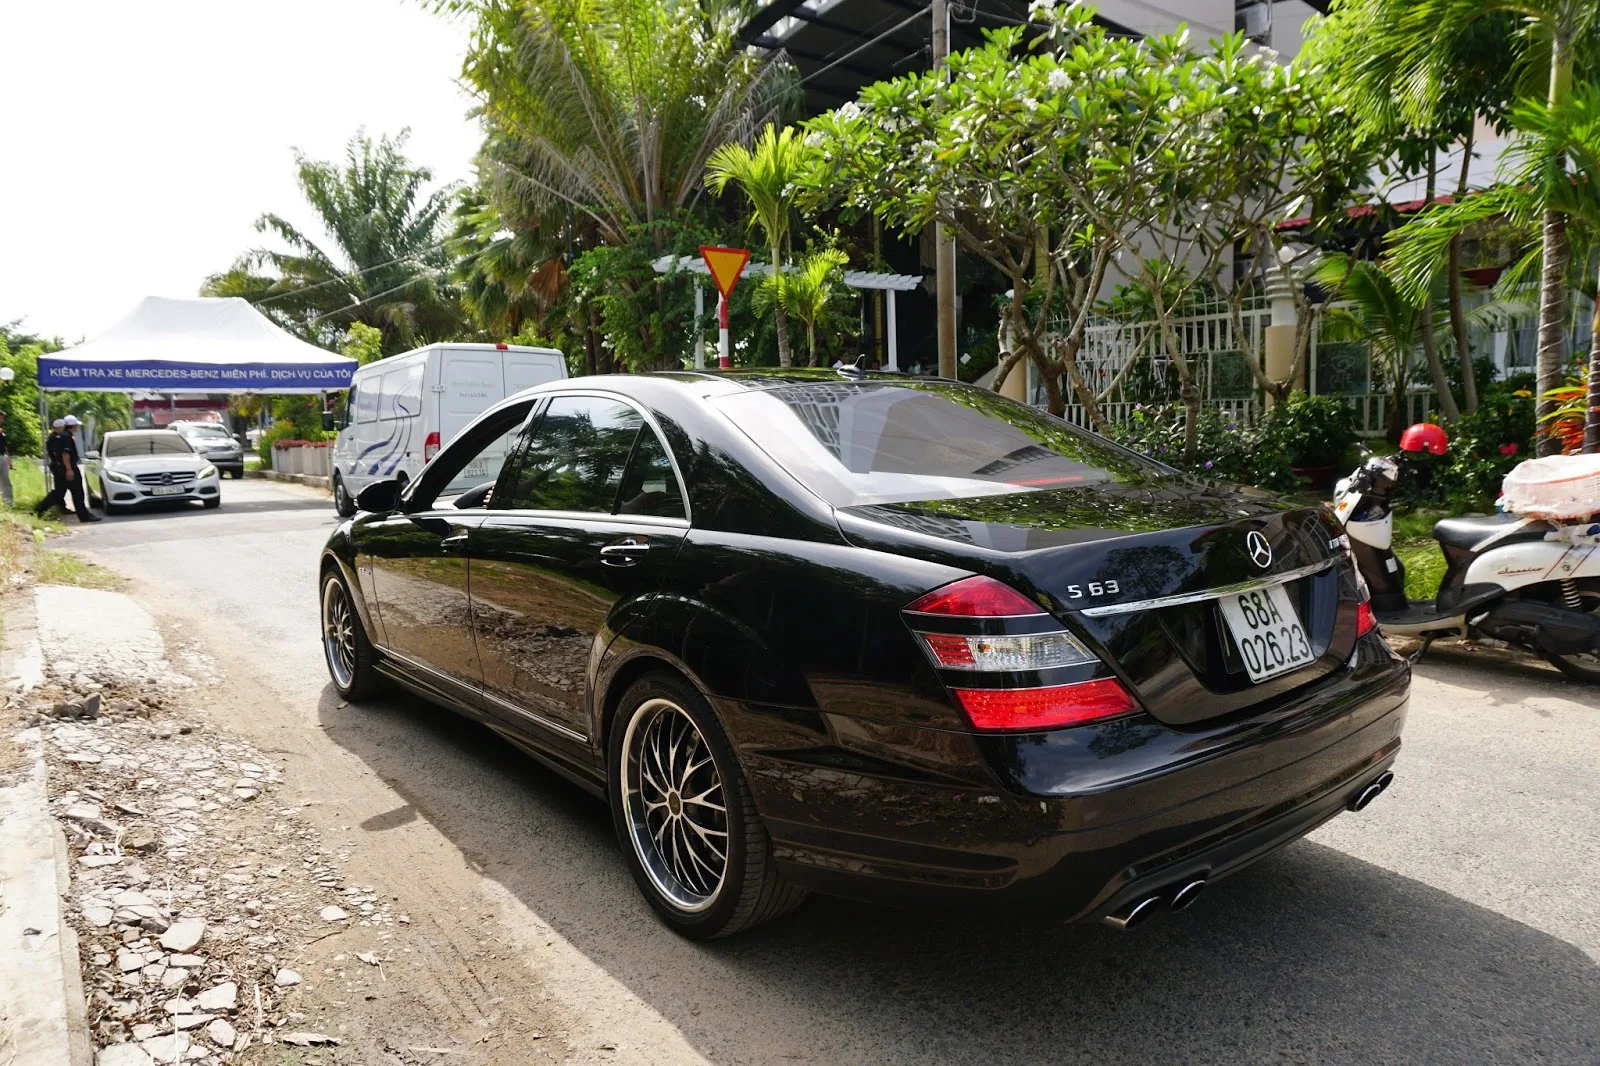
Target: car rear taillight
1364 620
975 597
1052 707
430 447
979 626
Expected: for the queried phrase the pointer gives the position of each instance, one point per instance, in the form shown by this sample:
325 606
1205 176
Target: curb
43 1017
313 480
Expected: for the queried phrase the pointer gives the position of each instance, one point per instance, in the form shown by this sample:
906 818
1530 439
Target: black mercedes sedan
875 636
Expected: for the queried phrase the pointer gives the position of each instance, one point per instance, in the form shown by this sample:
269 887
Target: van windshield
870 442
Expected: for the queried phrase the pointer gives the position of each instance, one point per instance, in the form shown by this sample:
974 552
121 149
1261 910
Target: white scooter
1524 581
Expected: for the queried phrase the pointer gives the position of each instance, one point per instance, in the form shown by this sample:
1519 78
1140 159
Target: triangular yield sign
725 265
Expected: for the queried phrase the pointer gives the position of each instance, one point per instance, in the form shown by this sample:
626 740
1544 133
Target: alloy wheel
676 810
338 632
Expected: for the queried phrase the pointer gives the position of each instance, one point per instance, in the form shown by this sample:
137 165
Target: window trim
649 420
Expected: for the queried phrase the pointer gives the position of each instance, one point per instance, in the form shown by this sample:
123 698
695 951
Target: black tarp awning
838 46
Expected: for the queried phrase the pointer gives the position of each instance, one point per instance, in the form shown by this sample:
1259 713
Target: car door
586 524
417 558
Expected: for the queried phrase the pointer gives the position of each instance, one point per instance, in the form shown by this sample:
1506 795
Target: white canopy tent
195 346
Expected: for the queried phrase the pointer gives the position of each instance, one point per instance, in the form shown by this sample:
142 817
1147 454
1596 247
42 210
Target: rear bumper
1080 822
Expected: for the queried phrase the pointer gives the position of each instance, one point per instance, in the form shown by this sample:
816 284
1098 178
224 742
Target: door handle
451 543
624 552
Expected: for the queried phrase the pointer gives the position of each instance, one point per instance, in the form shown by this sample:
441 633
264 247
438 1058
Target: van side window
366 402
402 392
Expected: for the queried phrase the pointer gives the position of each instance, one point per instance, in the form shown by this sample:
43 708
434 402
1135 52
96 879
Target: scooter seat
1468 531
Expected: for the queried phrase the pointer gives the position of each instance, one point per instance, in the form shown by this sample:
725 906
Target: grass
1416 548
23 555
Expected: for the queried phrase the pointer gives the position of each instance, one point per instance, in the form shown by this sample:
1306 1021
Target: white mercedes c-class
138 466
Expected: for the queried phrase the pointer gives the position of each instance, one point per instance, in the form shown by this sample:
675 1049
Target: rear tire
674 780
343 505
352 662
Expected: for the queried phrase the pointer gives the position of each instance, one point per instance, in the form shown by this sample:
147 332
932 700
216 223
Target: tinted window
649 485
402 392
476 461
574 456
863 443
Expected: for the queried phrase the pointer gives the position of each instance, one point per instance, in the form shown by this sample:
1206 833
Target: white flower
1059 80
814 139
848 112
1036 6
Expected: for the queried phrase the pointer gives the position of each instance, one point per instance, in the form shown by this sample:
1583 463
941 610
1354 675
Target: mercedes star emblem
1260 550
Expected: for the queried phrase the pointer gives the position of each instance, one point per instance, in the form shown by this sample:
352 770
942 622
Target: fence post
1281 331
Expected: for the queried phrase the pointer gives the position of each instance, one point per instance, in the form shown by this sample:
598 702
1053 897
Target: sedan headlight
113 475
207 471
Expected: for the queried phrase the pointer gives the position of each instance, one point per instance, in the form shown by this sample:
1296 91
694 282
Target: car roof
125 432
713 383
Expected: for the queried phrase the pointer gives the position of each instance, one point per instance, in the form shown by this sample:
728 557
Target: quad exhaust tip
1135 915
1361 800
1184 898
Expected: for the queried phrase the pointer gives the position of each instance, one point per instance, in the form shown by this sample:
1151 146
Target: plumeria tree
1020 158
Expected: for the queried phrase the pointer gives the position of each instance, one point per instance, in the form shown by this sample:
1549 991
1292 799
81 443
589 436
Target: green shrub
1224 449
1312 430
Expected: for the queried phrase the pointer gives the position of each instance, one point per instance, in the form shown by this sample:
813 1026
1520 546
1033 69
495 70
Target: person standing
65 470
5 464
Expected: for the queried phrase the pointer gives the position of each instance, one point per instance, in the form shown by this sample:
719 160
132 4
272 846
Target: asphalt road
1457 920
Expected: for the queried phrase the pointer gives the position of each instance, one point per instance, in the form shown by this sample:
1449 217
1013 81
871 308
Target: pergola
888 284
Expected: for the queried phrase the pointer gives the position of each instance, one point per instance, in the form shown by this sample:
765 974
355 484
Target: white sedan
138 466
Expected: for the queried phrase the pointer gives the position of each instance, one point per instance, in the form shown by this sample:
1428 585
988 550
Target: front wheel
352 663
689 829
343 505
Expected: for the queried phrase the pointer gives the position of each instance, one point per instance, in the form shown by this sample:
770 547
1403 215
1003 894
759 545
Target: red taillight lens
430 447
975 597
1364 620
1057 707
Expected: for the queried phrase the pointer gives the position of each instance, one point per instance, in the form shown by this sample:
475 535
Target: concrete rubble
191 888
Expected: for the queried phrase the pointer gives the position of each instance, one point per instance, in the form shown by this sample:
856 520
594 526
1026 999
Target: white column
699 325
894 334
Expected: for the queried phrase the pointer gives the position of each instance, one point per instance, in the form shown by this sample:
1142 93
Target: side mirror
327 421
91 455
380 497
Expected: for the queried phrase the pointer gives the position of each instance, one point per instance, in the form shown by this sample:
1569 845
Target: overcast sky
140 140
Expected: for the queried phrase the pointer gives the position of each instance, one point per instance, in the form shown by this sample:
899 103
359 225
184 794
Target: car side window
649 484
472 463
350 406
573 458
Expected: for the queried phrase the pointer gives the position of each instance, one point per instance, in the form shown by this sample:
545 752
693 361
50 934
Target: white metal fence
1127 363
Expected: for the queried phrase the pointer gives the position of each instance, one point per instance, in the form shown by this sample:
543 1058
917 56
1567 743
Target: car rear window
860 443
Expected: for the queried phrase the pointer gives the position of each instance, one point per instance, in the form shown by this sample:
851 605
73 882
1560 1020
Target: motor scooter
1525 581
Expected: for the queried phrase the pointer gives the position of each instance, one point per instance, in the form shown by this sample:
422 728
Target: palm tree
1552 166
507 277
1381 315
767 174
387 263
612 107
1549 36
807 292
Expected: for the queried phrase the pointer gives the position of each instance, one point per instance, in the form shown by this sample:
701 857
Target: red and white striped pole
724 346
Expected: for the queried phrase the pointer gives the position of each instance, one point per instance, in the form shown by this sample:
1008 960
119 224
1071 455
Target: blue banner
58 373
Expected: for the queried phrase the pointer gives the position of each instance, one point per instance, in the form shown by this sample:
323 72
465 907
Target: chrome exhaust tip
1135 915
1361 800
1184 898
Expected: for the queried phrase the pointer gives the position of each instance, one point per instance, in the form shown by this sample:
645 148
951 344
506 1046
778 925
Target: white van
403 409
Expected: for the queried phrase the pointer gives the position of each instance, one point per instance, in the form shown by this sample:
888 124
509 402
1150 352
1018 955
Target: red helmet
1425 437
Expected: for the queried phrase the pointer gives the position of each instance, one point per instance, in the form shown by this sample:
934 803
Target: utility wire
922 13
358 273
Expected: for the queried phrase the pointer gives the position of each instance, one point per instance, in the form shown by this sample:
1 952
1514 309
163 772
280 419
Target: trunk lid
1140 571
